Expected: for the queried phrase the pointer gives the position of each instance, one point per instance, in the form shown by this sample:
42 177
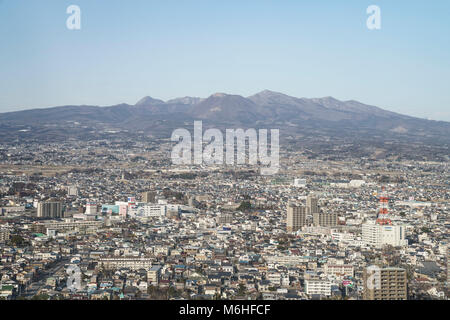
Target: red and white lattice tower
383 214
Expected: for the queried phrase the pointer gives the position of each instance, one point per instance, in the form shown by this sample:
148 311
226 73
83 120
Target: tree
41 297
172 292
17 240
242 290
245 206
426 230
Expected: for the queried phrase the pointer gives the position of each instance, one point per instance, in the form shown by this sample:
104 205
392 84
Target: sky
126 50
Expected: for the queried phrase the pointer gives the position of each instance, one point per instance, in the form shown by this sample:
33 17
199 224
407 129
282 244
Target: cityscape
220 159
313 231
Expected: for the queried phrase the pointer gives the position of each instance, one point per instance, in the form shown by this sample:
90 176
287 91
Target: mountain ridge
268 109
188 100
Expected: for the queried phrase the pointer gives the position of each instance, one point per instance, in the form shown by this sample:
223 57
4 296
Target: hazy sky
129 49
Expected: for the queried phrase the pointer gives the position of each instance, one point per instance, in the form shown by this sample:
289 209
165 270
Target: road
34 287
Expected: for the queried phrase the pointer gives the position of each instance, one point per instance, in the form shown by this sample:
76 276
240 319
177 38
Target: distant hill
319 117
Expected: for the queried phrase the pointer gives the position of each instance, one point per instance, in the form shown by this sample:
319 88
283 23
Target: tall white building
152 210
378 235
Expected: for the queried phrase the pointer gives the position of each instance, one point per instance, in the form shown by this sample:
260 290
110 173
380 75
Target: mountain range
295 117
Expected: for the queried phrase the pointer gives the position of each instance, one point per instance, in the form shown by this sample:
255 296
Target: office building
339 270
379 235
318 287
152 210
69 224
133 263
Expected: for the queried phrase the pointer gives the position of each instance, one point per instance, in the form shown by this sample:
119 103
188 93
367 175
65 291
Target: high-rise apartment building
325 219
312 205
296 217
148 196
385 284
50 210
